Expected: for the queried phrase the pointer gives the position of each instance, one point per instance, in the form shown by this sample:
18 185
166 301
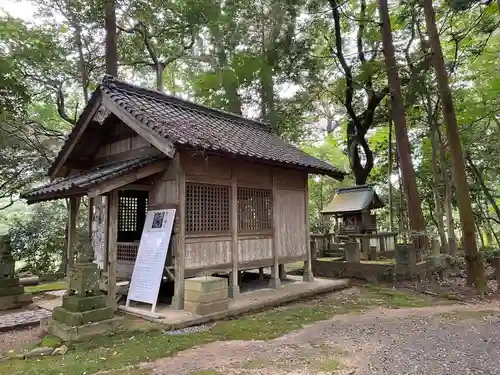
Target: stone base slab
15 301
11 290
206 308
86 331
81 304
79 318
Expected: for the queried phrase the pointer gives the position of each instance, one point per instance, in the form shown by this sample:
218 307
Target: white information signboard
151 256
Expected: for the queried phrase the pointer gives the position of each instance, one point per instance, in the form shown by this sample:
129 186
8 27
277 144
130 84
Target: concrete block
206 308
205 284
197 296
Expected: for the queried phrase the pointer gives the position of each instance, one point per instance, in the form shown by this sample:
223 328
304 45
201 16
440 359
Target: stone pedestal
11 293
206 295
83 313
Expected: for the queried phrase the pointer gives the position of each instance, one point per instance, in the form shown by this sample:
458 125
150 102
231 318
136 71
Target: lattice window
254 210
207 208
132 207
127 251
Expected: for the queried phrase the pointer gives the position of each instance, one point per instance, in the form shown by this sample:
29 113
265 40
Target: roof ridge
112 82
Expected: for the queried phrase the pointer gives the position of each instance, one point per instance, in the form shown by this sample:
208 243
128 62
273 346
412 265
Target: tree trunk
415 215
389 175
448 208
160 85
84 77
111 47
475 269
436 180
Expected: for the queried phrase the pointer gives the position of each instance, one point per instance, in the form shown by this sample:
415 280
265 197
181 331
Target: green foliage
39 240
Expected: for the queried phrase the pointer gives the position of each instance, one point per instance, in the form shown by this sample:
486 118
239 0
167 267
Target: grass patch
129 371
327 364
390 261
50 341
330 259
143 343
46 287
467 314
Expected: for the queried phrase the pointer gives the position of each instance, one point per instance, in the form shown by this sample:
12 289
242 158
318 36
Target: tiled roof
192 125
80 182
353 199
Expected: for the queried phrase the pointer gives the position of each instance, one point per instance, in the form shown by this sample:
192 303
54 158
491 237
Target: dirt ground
434 340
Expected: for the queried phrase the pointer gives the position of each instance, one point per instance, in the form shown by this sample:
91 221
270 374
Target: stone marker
373 253
11 292
84 312
206 295
352 252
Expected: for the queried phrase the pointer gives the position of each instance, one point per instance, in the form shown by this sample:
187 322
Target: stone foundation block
205 284
206 308
11 291
15 301
81 304
9 282
79 318
84 332
199 297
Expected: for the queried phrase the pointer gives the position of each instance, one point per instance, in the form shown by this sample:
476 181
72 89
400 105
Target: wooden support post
275 282
282 272
261 274
74 204
112 247
91 202
180 248
308 274
234 289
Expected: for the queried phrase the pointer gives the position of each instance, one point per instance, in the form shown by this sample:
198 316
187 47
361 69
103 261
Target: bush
39 238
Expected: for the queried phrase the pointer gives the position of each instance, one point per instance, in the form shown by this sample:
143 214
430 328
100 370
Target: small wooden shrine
352 209
239 190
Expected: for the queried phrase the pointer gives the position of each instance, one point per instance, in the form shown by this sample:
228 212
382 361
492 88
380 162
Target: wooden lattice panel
207 208
254 210
132 208
127 251
127 214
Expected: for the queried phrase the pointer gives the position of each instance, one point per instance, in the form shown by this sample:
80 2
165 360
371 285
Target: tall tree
475 274
415 215
111 44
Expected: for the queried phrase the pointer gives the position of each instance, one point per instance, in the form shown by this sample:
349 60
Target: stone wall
368 271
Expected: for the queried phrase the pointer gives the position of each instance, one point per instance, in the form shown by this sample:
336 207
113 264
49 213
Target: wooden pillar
74 203
308 274
91 202
275 282
261 274
282 272
180 248
112 247
234 289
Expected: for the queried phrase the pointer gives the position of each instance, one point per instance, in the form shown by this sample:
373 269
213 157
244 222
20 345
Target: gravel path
441 340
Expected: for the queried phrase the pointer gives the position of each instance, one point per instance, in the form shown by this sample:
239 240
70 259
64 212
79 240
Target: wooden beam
234 290
112 247
74 204
165 145
308 274
180 248
126 155
275 281
128 178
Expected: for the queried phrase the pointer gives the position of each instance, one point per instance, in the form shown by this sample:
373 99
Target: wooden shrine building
352 207
240 191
